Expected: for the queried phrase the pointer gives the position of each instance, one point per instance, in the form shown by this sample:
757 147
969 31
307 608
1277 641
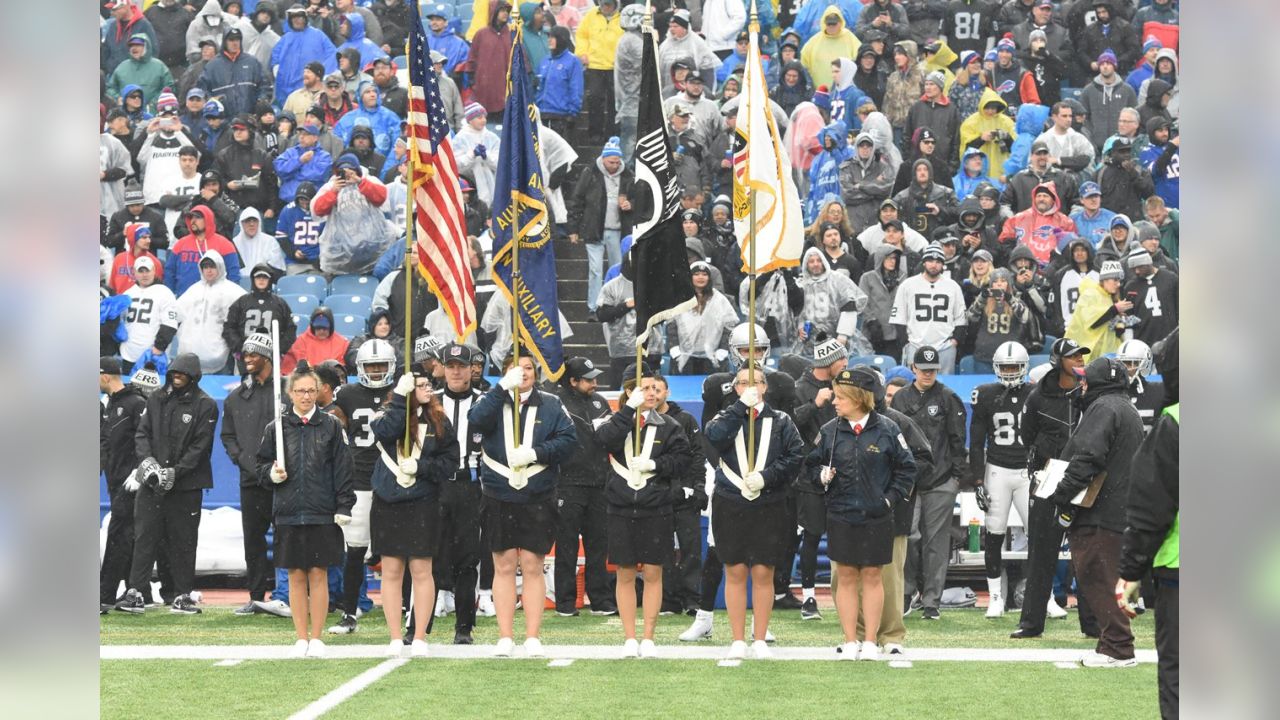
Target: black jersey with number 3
359 404
995 425
1148 397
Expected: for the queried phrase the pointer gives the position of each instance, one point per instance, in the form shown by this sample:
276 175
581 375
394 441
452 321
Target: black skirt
526 526
751 534
647 540
404 529
811 512
865 545
298 547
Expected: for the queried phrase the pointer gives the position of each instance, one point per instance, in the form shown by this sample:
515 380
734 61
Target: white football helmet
1010 361
1136 357
739 341
375 352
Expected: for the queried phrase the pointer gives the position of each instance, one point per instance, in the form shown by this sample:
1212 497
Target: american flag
439 218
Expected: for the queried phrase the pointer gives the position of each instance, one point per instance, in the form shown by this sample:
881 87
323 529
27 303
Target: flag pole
650 37
407 447
753 27
515 265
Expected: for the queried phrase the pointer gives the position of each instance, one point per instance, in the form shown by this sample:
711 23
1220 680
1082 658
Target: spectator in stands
940 326
361 146
681 44
193 113
560 83
140 70
298 232
1093 222
626 76
832 302
1014 84
1017 195
698 343
1107 32
597 43
1162 159
256 246
236 77
990 129
247 169
1166 69
320 342
384 123
300 46
136 211
213 135
182 267
1154 293
253 312
126 22
1103 99
226 212
137 244
974 171
1101 316
444 40
394 97
927 204
202 313
476 149
997 316
355 231
1068 148
880 285
1163 12
534 36
1147 65
1035 227
599 214
260 36
1125 183
1166 219
937 113
209 24
302 99
336 102
134 104
377 327
177 198
351 27
889 229
304 162
191 78
903 87
1049 69
490 59
865 181
169 19
1064 283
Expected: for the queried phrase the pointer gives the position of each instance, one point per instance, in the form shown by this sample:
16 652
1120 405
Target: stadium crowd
987 186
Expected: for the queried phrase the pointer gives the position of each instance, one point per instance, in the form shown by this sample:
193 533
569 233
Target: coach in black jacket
117 459
1109 434
176 430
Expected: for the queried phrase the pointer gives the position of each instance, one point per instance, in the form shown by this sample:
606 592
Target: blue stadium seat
401 61
348 326
1049 340
465 13
246 282
879 362
350 304
353 285
1035 360
302 285
966 366
302 321
302 304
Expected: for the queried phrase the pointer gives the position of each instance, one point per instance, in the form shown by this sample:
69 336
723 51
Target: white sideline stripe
900 664
587 652
346 690
562 662
229 662
729 663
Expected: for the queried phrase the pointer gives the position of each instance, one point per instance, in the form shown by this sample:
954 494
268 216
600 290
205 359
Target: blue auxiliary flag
520 210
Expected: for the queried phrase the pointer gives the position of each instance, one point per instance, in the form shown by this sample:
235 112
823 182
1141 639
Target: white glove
722 355
675 352
754 482
827 474
406 481
641 465
522 456
131 483
404 385
750 397
342 520
409 466
688 493
512 379
635 399
278 474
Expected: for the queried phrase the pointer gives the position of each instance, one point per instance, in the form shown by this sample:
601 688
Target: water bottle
975 526
1066 516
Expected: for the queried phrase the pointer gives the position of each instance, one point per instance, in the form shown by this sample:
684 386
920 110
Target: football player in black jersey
357 403
1147 395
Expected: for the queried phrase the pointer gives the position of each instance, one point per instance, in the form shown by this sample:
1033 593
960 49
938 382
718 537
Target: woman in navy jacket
865 468
405 518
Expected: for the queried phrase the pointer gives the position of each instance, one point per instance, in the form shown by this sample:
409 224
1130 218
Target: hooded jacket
120 419
597 38
1123 188
971 130
914 199
437 455
864 185
536 48
821 49
1037 231
1118 36
394 338
210 24
560 77
1064 284
1163 162
1090 324
942 117
846 96
311 348
552 438
875 470
182 269
237 82
1103 102
384 123
202 311
587 204
369 50
254 311
789 97
177 427
1028 124
450 44
122 265
489 60
1109 434
671 454
965 184
903 86
1144 89
1019 193
148 74
251 167
825 172
295 49
116 35
627 59
828 296
881 287
318 464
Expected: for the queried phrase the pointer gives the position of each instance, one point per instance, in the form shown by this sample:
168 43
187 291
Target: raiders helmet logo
186 418
119 411
589 365
930 355
726 388
595 404
933 410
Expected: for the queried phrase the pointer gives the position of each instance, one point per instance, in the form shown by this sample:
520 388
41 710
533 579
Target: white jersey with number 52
930 310
149 308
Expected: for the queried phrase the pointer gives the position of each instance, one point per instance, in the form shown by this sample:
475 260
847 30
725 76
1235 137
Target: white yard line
585 652
229 662
347 690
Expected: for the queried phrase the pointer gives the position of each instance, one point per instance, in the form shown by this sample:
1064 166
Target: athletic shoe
670 608
441 608
449 606
995 607
132 602
870 651
420 649
701 627
279 608
914 602
930 613
906 605
571 612
247 609
768 634
462 637
533 647
105 608
630 648
691 612
737 650
760 650
184 605
316 648
395 649
1055 611
604 609
894 649
484 607
1098 660
504 647
1024 634
809 610
648 649
786 601
299 649
345 626
849 650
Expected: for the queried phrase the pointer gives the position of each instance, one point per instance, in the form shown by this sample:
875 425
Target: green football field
582 688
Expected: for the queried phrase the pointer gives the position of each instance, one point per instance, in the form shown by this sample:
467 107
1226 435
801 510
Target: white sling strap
635 480
740 448
517 479
393 465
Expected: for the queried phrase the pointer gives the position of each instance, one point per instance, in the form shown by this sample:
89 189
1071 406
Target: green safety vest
1167 555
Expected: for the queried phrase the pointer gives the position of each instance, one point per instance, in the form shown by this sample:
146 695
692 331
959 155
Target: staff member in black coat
1109 434
247 410
865 467
582 504
680 592
640 490
117 459
313 497
405 519
750 520
173 442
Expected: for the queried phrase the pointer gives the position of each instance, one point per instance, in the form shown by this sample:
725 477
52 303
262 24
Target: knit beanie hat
612 148
473 110
822 98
